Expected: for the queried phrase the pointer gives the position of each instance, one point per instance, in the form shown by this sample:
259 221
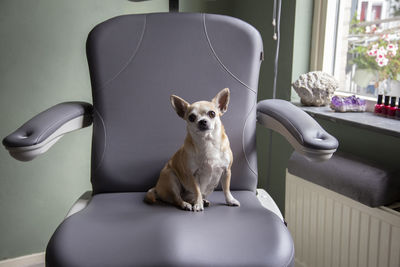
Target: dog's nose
203 122
203 125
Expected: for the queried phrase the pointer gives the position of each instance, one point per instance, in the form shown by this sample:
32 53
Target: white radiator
330 229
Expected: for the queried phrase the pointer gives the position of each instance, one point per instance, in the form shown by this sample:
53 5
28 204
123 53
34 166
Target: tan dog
204 159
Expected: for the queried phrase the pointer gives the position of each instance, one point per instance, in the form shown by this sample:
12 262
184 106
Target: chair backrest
137 61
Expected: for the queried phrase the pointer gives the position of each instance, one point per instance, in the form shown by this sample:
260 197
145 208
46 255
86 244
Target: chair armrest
38 134
300 129
80 204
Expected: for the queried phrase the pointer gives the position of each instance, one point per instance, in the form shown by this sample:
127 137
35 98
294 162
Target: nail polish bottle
379 106
392 109
385 109
398 111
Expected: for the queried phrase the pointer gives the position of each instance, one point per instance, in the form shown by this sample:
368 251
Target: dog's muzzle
203 125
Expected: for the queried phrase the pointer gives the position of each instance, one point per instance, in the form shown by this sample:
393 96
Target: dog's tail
151 196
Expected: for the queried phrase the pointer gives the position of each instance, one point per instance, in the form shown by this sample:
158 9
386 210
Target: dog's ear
179 105
221 100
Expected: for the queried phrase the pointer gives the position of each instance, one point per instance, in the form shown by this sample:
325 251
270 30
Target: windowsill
365 120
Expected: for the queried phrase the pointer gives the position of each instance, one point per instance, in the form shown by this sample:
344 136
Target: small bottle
398 111
379 107
392 110
385 109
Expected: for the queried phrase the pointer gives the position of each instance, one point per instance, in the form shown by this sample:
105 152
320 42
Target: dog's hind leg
151 196
177 200
169 189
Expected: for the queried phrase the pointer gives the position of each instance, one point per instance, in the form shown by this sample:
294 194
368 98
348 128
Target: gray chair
136 62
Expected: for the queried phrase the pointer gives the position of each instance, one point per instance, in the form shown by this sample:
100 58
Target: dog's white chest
210 163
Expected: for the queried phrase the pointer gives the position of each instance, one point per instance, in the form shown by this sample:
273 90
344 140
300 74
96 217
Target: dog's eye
192 117
211 114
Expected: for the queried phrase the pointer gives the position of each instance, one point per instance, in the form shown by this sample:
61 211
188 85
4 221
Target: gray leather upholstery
301 126
40 127
119 229
356 178
137 61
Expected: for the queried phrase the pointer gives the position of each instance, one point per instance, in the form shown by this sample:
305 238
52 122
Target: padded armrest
300 129
38 134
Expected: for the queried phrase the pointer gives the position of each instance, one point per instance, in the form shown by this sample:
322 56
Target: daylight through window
367 56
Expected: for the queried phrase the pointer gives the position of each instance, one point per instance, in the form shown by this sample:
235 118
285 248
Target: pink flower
392 48
382 62
372 52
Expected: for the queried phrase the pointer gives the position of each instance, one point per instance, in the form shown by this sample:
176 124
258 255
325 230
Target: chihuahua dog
202 162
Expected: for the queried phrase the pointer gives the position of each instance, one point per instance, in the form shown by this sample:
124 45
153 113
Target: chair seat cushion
119 229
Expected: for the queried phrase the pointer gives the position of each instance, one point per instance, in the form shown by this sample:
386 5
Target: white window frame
323 50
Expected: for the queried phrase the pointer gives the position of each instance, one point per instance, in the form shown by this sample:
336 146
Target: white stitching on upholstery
74 115
102 86
242 83
105 139
280 118
243 133
219 60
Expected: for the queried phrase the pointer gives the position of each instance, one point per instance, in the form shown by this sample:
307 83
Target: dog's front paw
233 202
186 206
198 206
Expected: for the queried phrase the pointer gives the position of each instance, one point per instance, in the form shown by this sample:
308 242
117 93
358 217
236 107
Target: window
359 45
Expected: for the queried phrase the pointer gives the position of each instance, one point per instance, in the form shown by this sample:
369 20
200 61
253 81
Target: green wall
43 62
302 41
380 148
